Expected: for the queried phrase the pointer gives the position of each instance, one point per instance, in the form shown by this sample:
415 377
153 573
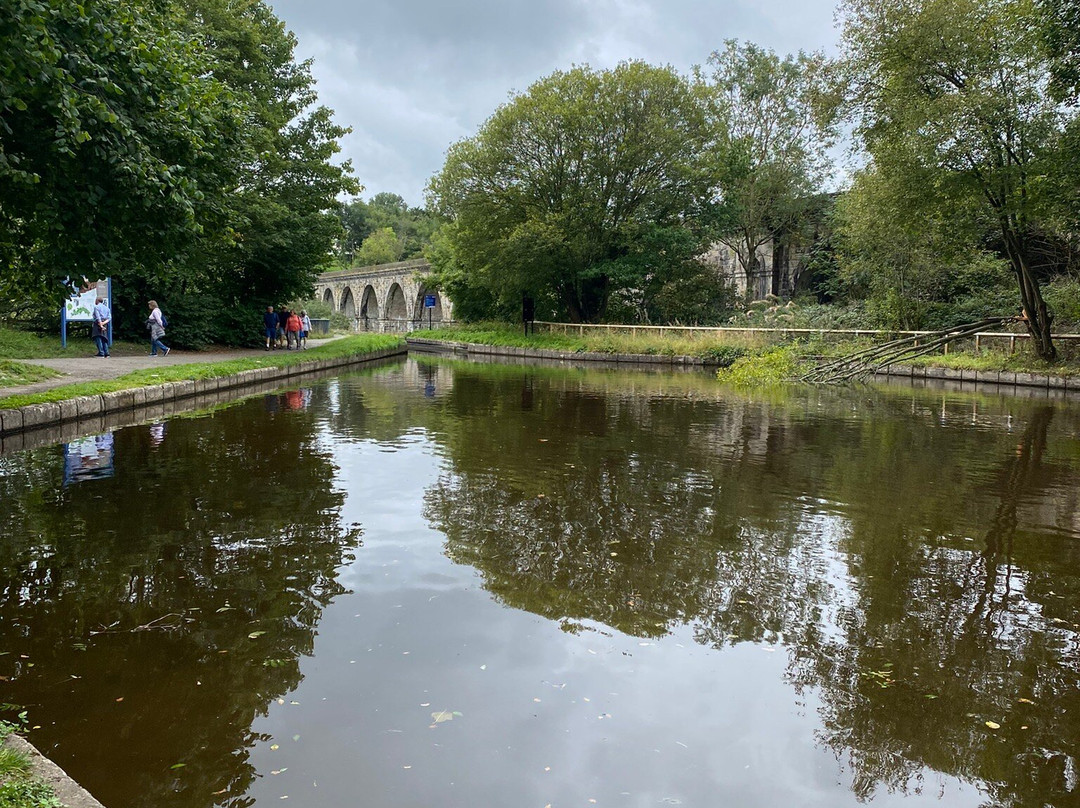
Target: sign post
429 304
528 312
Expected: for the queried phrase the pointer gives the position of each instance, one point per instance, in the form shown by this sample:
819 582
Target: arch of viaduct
386 297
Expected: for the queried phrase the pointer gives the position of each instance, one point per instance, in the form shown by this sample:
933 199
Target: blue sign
429 301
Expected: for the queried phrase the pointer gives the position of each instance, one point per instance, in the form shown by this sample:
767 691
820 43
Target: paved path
90 368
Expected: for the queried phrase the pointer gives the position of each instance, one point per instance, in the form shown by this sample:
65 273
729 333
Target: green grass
12 763
15 344
25 792
777 365
718 348
18 788
348 346
752 355
15 373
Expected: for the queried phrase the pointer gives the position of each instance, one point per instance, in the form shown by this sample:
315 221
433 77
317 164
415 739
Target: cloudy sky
413 76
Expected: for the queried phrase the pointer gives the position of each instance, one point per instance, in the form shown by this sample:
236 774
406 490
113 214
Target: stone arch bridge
385 297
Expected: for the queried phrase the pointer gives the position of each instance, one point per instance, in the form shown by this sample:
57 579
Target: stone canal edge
52 414
68 792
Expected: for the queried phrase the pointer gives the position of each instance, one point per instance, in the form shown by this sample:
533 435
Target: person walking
270 326
156 324
292 331
100 331
305 327
282 320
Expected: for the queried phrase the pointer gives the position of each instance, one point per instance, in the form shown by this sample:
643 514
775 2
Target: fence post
1012 345
978 343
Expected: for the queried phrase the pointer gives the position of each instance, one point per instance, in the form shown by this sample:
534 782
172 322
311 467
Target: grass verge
722 349
349 346
740 352
15 373
18 787
15 344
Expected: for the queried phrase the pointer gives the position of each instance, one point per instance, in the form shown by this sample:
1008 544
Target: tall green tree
1061 33
381 247
112 137
953 94
556 193
279 222
773 158
413 227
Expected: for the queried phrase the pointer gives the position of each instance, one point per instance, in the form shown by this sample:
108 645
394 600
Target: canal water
437 583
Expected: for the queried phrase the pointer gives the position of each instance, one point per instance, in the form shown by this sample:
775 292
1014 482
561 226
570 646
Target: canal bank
980 378
42 770
208 381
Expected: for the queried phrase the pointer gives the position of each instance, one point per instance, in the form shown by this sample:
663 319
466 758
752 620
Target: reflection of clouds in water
89 458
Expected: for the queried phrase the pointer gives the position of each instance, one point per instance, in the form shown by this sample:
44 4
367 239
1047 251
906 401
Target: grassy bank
348 346
741 352
15 373
722 349
18 787
15 344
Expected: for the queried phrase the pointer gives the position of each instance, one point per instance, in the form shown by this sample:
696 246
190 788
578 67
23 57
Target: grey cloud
413 77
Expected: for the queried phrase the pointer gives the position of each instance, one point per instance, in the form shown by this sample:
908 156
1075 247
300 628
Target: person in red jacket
292 331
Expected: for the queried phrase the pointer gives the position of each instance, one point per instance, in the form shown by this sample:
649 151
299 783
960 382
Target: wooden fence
785 333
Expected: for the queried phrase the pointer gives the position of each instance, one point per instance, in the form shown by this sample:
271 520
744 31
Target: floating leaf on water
296 737
281 701
255 635
439 716
483 667
274 747
178 766
1025 701
993 724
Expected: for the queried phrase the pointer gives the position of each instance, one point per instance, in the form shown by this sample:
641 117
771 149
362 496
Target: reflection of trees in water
843 538
245 540
964 639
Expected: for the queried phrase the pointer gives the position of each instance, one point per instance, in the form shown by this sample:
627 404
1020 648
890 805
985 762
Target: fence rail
783 333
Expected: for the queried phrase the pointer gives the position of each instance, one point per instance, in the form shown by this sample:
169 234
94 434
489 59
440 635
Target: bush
1063 297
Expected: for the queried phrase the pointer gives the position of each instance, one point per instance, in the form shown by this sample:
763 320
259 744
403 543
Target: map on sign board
80 306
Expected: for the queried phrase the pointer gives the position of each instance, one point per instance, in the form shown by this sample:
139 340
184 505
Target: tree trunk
1037 317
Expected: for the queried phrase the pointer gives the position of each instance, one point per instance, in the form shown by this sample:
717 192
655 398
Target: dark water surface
443 584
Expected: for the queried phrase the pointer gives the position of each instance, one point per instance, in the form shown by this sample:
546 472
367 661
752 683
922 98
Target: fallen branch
867 361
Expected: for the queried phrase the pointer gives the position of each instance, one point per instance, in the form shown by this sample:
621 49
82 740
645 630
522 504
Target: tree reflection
879 551
166 606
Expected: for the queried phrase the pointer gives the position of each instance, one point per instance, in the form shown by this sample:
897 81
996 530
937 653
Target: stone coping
60 413
1007 378
68 792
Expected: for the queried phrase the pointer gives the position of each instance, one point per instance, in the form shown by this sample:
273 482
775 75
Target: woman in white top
305 327
157 330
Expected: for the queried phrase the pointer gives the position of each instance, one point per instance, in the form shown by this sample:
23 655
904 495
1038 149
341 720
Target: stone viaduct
386 297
